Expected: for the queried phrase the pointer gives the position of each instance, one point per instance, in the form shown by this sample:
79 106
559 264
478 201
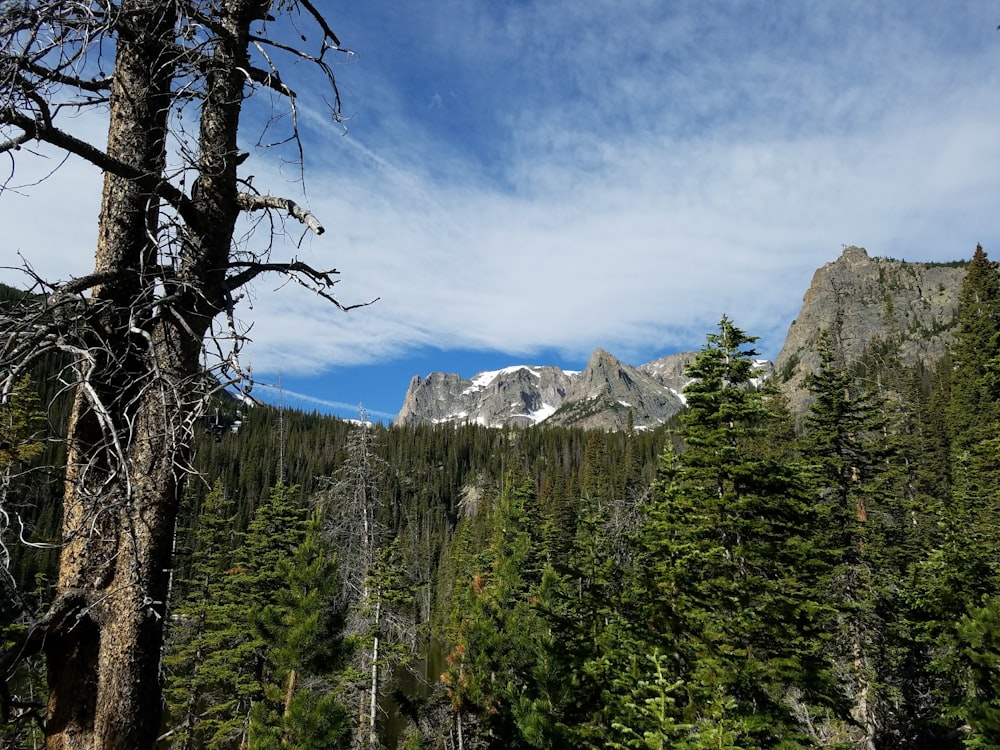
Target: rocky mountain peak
862 302
854 254
598 397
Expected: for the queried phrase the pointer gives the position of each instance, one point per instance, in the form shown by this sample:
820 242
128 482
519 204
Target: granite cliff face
861 301
520 395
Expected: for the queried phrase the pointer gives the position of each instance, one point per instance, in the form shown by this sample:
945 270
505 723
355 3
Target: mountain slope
598 397
519 395
607 390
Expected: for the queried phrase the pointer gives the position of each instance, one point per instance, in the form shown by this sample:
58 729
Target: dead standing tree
165 281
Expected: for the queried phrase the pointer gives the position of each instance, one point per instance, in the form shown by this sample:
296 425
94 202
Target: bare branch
250 202
315 280
154 183
320 21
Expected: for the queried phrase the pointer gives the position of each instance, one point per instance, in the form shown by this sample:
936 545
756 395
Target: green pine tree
979 634
303 706
962 572
725 589
208 630
218 659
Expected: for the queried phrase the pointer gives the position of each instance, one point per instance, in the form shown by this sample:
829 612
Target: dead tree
382 636
157 311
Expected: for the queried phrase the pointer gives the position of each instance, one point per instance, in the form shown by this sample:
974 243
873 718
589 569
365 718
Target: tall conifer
725 560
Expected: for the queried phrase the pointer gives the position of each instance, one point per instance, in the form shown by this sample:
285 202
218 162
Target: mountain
600 396
863 302
519 395
607 390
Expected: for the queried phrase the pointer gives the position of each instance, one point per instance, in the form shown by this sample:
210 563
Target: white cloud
617 178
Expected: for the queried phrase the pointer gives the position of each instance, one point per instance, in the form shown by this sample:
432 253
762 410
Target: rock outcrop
599 397
603 395
863 302
519 395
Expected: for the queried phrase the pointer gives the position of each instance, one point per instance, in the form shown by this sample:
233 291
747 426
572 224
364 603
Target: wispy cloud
617 174
277 395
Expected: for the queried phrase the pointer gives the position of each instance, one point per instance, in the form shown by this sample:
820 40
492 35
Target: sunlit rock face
870 303
600 396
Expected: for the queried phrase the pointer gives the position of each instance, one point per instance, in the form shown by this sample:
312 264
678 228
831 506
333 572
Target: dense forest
743 578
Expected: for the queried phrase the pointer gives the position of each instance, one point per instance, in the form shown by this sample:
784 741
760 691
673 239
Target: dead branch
251 202
43 131
313 279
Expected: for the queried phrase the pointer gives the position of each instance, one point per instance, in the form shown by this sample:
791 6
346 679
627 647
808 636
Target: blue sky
522 182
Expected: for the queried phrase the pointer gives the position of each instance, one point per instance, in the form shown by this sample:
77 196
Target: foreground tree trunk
120 500
164 271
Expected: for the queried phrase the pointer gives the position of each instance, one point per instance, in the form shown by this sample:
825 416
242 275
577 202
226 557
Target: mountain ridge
861 301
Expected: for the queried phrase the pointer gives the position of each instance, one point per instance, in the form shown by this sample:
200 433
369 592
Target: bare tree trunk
373 689
160 278
119 510
864 710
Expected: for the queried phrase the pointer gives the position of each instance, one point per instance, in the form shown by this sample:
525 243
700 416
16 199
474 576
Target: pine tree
21 425
979 634
726 565
961 574
501 680
849 466
207 630
974 408
219 659
302 705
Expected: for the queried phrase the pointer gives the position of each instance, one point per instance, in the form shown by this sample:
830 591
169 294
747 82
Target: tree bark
119 500
130 428
159 280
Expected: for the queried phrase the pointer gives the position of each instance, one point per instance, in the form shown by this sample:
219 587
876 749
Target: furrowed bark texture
131 419
135 329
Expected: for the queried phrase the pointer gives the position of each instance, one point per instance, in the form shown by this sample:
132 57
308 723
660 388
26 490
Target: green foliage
725 565
302 706
979 632
257 638
206 688
724 584
651 705
499 664
21 425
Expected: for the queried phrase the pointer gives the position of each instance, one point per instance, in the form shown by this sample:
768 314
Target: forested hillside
738 578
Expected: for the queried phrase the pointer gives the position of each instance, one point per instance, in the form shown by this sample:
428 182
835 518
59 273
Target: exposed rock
599 397
863 301
607 390
669 371
520 395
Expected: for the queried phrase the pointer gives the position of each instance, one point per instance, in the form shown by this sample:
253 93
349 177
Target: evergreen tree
962 572
501 680
219 663
22 425
302 705
726 566
979 632
207 632
849 466
974 407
